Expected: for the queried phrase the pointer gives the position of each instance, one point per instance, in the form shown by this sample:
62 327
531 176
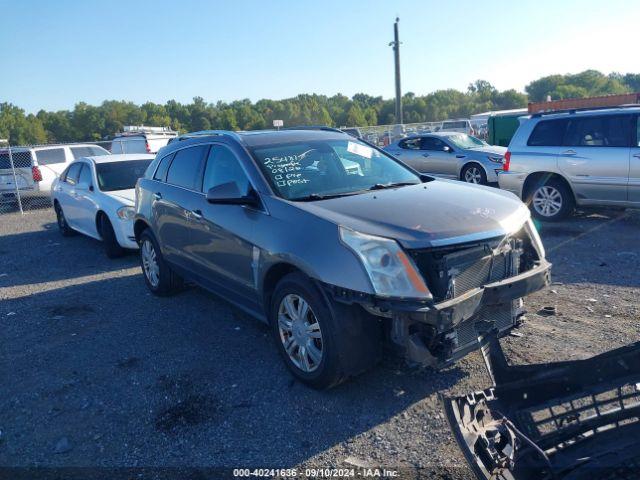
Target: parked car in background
451 155
141 139
460 126
36 168
587 158
336 262
95 196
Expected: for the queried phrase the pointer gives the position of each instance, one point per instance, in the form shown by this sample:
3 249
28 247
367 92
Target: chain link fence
383 135
28 172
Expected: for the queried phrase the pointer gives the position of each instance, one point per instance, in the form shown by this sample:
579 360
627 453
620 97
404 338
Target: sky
54 54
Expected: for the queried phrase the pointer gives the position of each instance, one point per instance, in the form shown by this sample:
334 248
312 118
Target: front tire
158 276
63 226
551 201
111 246
474 173
322 344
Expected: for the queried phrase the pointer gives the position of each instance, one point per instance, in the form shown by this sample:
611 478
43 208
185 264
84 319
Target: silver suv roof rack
584 109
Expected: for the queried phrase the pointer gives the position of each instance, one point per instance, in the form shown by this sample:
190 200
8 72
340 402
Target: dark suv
337 245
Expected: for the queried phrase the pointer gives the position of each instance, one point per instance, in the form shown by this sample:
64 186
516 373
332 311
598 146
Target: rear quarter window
548 133
50 156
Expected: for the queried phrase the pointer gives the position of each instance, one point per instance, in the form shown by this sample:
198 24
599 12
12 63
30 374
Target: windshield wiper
312 197
382 186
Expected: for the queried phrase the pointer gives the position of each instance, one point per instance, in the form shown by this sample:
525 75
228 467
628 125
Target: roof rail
314 127
584 109
208 133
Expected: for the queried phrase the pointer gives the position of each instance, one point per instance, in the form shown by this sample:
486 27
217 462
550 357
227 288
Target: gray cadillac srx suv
338 246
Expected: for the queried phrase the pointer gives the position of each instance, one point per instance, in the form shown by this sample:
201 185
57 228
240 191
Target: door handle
197 214
157 196
637 155
569 152
425 154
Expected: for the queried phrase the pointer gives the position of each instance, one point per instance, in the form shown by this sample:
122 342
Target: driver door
222 252
438 160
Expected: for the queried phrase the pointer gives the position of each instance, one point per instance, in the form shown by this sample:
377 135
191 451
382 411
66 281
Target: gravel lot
96 372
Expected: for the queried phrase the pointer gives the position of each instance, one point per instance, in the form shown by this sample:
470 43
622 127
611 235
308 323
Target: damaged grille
451 272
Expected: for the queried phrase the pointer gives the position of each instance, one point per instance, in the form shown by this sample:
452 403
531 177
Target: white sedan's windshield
315 169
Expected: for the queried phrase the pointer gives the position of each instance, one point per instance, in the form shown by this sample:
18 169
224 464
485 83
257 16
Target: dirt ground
95 372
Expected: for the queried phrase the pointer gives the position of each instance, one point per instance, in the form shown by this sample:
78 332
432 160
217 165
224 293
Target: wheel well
99 221
139 227
271 279
538 179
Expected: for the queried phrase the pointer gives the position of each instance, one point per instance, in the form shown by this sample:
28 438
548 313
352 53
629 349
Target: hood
440 212
127 197
491 150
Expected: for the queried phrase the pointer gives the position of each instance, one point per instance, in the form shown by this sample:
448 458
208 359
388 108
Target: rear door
221 234
595 157
634 163
408 150
175 200
86 207
66 191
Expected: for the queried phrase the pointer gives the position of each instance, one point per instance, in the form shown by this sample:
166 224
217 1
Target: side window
81 152
117 146
50 156
637 141
161 172
604 131
223 167
95 151
73 173
184 171
548 133
431 143
85 175
410 144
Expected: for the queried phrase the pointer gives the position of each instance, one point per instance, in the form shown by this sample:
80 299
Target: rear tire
158 276
63 226
338 341
551 200
111 246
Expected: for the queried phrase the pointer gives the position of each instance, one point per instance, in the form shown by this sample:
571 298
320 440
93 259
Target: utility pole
396 53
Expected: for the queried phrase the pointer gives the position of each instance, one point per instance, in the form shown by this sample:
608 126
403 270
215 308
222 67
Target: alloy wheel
300 333
473 175
547 201
150 263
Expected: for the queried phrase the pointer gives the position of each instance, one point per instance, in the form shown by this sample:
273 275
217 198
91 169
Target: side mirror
229 194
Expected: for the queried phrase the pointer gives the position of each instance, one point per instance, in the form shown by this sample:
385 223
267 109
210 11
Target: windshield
462 140
120 175
324 168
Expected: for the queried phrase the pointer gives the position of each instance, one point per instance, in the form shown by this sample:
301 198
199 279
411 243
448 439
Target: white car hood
126 197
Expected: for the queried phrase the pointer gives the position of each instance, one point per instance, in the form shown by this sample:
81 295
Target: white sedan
96 196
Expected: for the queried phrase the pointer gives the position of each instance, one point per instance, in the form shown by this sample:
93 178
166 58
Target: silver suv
558 160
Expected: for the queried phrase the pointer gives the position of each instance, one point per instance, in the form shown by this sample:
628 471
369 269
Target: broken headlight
391 271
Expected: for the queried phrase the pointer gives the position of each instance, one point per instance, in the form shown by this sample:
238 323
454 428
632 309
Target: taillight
36 174
507 161
146 145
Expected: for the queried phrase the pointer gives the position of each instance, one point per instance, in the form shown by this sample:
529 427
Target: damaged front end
477 289
569 420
